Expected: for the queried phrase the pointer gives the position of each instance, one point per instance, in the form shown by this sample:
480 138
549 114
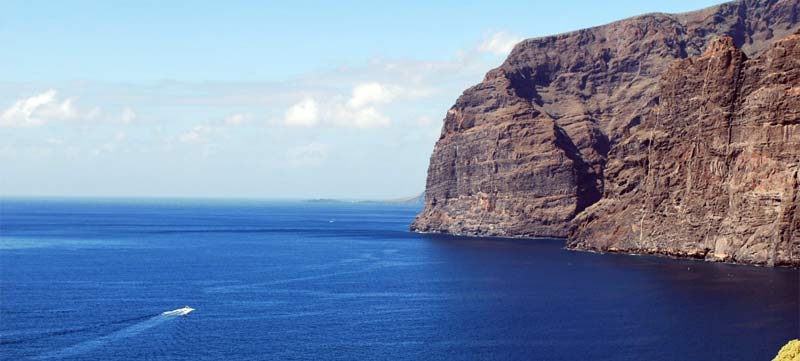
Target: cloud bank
37 110
47 107
361 109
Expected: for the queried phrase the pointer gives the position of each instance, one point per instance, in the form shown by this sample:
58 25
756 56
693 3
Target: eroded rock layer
713 170
523 152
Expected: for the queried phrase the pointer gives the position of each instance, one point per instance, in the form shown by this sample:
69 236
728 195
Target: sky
244 99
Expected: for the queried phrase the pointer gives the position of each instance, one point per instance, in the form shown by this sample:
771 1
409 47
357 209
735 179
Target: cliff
712 171
526 150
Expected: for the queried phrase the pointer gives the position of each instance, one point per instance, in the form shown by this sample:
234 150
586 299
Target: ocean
89 279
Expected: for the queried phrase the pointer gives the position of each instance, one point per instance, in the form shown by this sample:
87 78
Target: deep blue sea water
89 279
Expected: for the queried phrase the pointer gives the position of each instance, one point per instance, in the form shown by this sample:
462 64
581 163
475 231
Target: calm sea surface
89 279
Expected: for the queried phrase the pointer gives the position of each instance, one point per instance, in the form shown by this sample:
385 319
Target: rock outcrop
525 151
789 352
713 170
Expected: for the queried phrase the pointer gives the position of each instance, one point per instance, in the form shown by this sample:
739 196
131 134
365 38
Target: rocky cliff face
523 152
713 170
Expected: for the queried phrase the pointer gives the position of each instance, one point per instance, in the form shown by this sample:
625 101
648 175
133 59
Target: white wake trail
126 332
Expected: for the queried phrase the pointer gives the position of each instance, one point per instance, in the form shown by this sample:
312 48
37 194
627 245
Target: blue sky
293 99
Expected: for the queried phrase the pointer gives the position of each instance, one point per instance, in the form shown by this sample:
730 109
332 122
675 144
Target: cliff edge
527 150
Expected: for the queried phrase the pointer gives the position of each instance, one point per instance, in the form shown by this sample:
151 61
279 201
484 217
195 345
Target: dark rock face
525 151
713 170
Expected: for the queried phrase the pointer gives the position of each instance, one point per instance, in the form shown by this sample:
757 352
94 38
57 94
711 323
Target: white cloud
370 93
359 110
237 119
205 133
345 116
37 110
336 112
48 107
56 111
191 137
303 114
198 134
308 155
128 115
499 43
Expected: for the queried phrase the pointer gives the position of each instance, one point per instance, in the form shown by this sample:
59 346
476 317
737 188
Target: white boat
179 312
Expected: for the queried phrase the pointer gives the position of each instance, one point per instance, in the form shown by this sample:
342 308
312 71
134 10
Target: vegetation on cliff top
789 352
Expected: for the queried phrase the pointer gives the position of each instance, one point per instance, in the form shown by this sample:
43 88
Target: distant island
417 200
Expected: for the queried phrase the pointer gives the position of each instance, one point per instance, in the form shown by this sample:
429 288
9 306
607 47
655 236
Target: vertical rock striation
527 150
713 170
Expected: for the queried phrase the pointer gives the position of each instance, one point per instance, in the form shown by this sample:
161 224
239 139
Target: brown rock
712 171
523 152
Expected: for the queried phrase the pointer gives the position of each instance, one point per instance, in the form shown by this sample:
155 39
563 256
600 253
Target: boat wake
25 338
126 332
